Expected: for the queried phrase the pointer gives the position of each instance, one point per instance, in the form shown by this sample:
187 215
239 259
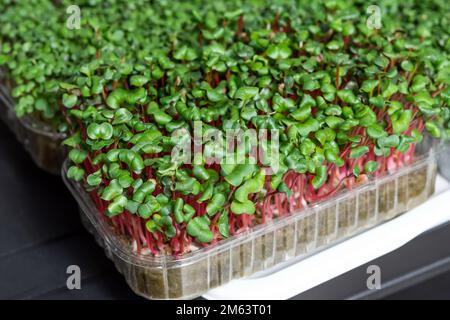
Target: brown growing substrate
318 229
327 224
367 209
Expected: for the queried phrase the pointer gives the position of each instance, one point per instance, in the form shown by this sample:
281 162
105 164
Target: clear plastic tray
281 241
42 143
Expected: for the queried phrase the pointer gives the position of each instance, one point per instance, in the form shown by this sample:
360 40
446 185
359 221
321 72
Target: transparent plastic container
41 141
282 241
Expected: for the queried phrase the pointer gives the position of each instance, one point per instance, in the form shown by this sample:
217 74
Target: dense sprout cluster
345 101
38 51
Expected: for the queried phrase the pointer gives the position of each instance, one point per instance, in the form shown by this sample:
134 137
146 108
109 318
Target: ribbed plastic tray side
41 142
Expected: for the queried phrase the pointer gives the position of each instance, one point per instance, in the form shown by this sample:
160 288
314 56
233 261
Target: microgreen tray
284 240
42 142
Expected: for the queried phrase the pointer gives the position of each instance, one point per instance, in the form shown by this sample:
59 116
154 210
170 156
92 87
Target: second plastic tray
42 143
295 236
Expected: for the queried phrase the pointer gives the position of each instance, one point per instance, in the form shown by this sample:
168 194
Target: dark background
41 235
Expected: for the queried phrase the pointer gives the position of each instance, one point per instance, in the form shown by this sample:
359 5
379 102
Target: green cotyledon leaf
246 93
252 185
200 172
239 173
246 207
122 115
102 131
188 185
116 98
178 210
391 141
73 140
94 179
347 96
320 177
130 157
112 191
77 156
117 206
283 187
138 80
189 212
150 206
359 151
75 173
207 192
215 204
224 224
145 189
370 166
302 113
125 179
279 51
401 121
185 53
433 129
369 85
310 125
69 101
200 230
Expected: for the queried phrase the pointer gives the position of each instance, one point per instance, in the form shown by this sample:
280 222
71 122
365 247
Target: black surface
41 235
